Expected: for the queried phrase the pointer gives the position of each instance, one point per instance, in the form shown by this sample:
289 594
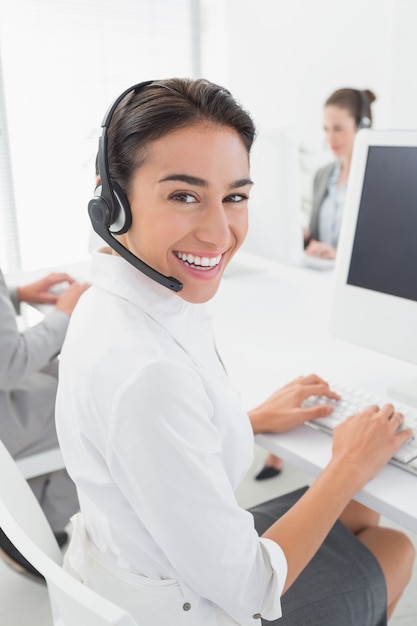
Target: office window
63 62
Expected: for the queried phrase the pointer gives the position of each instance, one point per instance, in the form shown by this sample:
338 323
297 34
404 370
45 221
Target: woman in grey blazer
345 112
28 382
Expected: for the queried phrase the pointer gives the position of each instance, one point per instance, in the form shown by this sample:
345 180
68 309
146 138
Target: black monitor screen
384 253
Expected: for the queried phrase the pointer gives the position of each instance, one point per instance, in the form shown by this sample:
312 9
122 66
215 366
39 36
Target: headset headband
109 210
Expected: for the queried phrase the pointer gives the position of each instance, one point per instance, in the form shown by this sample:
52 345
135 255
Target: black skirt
343 585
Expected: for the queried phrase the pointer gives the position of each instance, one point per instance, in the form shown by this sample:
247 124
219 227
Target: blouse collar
184 320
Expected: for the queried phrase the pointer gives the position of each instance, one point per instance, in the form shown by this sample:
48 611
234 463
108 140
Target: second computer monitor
375 294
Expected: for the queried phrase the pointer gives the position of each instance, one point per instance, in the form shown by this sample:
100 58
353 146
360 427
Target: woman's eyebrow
185 178
242 182
200 182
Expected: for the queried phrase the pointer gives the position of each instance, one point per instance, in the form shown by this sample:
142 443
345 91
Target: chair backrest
41 463
25 524
20 512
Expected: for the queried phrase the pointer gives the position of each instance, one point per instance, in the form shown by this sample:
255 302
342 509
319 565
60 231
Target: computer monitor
375 288
275 224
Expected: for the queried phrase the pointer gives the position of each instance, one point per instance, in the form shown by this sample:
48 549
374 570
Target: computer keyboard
317 263
354 400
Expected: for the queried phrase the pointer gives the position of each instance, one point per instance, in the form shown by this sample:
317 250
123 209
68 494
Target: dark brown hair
356 101
162 107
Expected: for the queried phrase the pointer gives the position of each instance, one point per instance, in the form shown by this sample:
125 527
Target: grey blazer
319 193
28 377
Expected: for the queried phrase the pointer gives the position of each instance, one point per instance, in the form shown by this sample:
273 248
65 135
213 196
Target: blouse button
186 606
256 616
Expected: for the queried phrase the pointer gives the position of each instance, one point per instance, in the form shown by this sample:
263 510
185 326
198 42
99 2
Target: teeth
203 261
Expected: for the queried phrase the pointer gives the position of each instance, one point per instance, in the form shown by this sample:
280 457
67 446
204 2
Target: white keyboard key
329 422
407 452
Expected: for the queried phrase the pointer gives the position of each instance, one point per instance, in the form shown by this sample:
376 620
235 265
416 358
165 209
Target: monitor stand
405 391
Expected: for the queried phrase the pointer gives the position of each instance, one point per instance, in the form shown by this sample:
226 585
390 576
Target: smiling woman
153 433
183 222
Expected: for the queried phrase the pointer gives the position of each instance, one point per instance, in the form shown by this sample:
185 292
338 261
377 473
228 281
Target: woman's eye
236 197
183 196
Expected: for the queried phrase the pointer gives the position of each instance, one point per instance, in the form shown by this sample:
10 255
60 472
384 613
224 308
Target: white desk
271 326
80 271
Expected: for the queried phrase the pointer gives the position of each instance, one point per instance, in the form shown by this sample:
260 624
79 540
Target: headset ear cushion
122 219
364 122
99 211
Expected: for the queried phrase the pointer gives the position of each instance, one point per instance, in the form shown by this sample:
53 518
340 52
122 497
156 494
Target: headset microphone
101 228
109 210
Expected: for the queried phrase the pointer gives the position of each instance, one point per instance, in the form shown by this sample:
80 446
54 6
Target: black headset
364 120
109 210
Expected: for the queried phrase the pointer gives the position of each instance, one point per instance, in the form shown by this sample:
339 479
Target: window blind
64 61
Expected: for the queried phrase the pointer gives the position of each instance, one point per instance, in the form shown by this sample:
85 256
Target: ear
98 181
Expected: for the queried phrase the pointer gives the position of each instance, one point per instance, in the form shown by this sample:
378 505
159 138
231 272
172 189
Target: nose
328 136
214 226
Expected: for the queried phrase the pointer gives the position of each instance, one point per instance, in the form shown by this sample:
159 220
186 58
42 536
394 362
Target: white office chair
25 524
41 463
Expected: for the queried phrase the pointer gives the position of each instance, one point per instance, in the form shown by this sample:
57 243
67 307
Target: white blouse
156 440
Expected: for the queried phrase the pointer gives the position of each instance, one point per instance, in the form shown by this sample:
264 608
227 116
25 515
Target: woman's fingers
313 385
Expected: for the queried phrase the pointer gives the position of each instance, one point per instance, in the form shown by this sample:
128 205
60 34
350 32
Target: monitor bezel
368 318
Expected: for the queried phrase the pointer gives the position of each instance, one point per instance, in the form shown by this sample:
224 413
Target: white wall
280 58
283 58
403 87
63 64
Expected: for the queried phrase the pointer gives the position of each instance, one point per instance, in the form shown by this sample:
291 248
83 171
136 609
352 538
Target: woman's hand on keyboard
283 411
367 440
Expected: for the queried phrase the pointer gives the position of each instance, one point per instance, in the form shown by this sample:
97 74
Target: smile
199 262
